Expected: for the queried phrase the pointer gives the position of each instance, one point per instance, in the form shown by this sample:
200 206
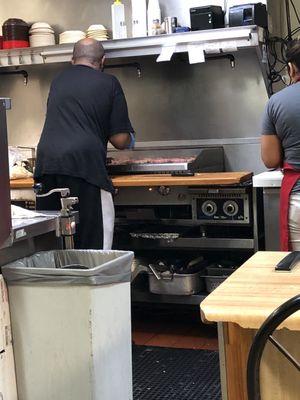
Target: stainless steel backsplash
172 101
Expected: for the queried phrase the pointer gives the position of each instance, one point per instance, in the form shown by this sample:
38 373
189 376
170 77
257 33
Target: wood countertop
201 179
213 178
253 292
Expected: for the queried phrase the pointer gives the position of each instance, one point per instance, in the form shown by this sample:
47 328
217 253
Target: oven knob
230 208
164 190
209 208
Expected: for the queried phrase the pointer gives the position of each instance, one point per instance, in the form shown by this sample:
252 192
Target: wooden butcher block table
210 178
240 306
200 179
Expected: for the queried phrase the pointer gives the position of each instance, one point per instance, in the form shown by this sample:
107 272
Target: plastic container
15 34
119 28
154 16
139 18
72 326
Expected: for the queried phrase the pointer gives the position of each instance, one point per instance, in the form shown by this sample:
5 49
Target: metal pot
175 284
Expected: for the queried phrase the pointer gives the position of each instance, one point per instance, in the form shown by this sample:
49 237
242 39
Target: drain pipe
17 72
127 65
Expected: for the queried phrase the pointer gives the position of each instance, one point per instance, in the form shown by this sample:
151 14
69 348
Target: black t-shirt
85 107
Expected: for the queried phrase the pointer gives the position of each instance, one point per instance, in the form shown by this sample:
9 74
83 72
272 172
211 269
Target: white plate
38 25
97 36
96 27
70 40
36 41
72 33
41 34
97 30
41 30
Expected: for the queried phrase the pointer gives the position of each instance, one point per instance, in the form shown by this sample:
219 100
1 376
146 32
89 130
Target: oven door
5 211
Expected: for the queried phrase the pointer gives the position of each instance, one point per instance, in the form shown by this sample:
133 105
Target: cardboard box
8 387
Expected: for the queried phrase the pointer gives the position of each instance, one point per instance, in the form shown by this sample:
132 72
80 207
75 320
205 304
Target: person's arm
121 134
121 141
271 151
271 147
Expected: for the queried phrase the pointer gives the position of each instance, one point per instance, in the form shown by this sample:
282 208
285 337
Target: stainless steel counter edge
29 228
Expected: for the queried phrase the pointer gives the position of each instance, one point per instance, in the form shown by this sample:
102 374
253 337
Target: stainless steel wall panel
172 101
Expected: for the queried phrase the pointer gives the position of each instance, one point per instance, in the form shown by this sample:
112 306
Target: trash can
71 324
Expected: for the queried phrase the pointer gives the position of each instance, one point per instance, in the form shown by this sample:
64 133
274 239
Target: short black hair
88 49
293 53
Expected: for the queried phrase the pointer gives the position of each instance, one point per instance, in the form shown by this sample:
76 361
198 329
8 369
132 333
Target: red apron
290 177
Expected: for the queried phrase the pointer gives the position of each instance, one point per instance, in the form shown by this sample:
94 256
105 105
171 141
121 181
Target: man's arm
121 141
121 134
271 151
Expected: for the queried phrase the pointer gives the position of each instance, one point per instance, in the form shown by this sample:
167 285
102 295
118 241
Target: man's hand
271 151
122 141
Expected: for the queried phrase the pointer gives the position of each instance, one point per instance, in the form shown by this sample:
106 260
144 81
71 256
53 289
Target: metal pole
288 19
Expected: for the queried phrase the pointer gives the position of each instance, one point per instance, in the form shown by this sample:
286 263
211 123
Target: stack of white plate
71 36
98 32
41 34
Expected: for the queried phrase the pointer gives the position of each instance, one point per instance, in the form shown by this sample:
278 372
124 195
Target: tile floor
173 327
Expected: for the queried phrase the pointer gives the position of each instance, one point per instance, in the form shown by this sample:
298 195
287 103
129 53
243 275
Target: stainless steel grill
166 160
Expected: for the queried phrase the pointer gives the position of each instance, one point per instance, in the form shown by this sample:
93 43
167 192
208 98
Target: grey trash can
71 324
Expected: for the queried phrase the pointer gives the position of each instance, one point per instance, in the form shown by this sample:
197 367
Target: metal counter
269 183
31 235
30 228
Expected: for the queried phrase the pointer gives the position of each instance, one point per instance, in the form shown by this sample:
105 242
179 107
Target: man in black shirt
86 109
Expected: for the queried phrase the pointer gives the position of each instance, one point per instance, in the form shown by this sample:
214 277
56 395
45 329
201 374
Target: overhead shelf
211 41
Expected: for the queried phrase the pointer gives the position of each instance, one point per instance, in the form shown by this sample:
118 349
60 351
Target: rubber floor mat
161 373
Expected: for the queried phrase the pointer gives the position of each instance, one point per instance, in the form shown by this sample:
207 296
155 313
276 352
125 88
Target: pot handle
155 273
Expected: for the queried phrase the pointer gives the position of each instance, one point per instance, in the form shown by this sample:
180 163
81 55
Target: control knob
209 208
230 208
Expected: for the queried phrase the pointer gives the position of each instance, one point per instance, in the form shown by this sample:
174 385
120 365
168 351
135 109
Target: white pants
108 216
294 221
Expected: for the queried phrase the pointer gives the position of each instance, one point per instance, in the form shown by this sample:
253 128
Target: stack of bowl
41 34
71 36
15 34
98 32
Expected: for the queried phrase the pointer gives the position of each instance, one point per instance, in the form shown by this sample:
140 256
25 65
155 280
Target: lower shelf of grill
190 243
139 296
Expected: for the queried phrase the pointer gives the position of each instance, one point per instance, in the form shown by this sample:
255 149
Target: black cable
276 48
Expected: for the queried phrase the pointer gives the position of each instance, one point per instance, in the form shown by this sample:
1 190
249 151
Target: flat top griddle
167 161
